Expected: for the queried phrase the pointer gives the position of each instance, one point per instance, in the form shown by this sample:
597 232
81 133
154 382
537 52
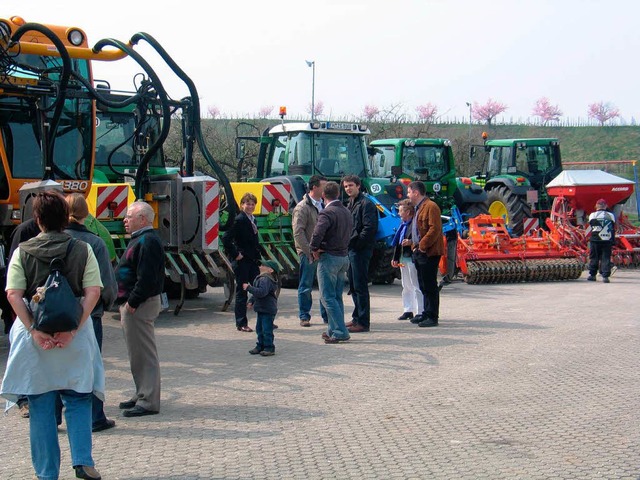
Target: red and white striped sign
211 202
111 201
275 198
530 225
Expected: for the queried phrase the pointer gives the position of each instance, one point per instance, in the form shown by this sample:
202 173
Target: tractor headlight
75 37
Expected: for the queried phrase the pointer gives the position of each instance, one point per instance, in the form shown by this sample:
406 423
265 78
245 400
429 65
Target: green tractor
431 161
516 173
289 154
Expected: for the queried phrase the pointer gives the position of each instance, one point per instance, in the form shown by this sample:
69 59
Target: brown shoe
350 324
325 336
357 329
84 471
305 323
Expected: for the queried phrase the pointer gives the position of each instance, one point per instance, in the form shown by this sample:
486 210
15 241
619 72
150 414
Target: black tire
474 209
516 207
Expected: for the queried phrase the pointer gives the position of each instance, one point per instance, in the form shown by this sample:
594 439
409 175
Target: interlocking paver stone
532 381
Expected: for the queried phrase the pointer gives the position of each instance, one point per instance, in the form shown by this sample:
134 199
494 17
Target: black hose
164 101
64 82
232 207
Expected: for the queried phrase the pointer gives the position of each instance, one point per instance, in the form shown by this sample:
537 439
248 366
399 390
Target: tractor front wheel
503 203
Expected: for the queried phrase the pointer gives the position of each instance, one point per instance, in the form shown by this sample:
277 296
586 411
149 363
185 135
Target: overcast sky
244 55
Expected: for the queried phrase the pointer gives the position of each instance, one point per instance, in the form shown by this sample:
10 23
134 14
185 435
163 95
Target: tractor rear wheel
474 209
503 203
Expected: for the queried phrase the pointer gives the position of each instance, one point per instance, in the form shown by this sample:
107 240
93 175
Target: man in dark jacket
365 226
329 245
140 276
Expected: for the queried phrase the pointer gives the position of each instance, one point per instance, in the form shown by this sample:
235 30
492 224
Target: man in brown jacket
428 247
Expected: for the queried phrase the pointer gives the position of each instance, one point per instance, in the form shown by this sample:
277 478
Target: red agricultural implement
489 254
576 193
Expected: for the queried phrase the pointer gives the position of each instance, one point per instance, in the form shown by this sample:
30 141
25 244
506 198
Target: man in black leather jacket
365 225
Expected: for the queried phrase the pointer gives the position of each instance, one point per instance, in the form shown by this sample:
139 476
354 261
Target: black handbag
54 306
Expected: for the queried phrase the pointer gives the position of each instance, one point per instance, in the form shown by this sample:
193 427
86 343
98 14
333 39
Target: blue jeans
305 287
264 330
359 285
43 431
331 278
97 405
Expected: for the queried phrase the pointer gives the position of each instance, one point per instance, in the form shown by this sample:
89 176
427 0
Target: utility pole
470 114
312 64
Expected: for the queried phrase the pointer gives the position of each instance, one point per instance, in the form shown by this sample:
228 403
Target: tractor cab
536 159
46 117
515 174
330 149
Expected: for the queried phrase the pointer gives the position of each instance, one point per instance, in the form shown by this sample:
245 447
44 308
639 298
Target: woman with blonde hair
78 213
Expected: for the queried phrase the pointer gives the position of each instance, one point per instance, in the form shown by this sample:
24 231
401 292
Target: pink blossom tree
603 112
488 111
213 111
546 111
370 112
318 109
265 111
427 113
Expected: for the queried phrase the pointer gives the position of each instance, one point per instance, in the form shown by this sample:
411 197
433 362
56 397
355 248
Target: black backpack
54 306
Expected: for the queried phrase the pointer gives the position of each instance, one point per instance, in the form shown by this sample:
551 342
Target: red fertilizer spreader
576 193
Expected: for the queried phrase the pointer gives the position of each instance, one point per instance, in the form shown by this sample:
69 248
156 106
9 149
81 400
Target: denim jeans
305 287
359 285
264 330
97 405
331 278
43 431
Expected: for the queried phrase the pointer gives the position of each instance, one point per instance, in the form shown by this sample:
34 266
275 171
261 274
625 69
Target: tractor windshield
22 139
117 142
26 119
328 154
426 162
532 160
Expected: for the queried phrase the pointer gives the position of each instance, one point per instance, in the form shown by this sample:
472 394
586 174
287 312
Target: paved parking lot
532 381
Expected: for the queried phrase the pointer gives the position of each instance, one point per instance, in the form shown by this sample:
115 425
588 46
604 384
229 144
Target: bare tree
488 111
603 112
318 109
546 111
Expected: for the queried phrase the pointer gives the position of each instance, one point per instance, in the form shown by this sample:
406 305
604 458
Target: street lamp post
312 64
470 112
